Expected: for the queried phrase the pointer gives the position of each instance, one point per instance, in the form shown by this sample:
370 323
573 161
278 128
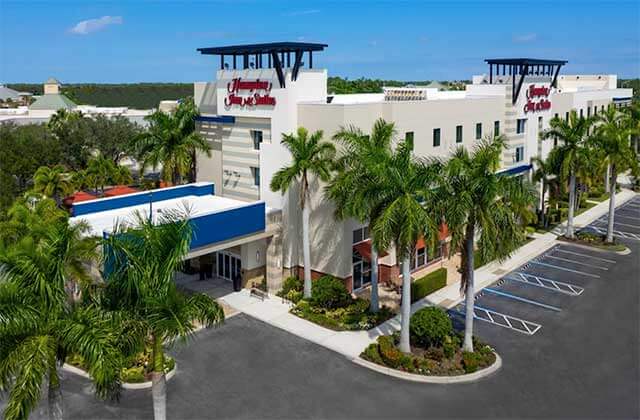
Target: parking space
626 222
542 291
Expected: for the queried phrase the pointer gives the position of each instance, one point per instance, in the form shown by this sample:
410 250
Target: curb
458 379
125 385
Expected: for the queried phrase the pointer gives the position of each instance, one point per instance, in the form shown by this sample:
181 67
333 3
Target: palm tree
475 200
171 141
52 182
310 157
100 171
611 142
544 172
573 154
401 190
40 324
360 153
140 264
31 216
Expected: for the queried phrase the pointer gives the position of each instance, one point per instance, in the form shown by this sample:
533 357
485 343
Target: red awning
364 249
77 198
120 190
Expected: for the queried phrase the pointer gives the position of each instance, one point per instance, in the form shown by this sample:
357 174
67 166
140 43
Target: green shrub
293 296
329 292
428 284
133 375
471 361
450 345
389 353
372 354
292 283
430 326
530 230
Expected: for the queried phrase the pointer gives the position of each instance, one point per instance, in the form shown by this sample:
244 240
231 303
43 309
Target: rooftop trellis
276 55
523 67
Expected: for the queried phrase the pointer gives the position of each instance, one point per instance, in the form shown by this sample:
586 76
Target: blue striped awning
515 170
222 119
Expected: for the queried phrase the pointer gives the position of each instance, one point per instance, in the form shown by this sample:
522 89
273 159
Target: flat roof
104 221
532 61
263 48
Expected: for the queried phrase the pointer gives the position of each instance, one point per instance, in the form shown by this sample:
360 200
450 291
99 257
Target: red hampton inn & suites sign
539 93
258 93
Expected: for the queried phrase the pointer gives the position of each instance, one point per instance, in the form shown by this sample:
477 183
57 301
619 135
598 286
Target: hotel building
263 91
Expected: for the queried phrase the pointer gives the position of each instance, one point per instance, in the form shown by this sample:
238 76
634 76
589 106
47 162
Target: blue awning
515 170
222 119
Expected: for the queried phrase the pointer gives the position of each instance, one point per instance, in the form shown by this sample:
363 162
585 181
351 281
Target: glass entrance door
228 265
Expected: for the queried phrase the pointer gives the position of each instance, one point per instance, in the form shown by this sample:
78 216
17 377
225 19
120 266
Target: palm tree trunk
374 279
607 178
158 381
572 199
612 204
306 251
470 289
542 216
54 396
405 345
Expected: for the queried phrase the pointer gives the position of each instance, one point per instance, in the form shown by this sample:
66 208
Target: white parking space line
503 320
558 267
521 299
618 233
635 219
576 262
626 224
585 255
546 283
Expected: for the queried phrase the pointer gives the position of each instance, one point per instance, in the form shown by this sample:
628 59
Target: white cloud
85 27
303 12
525 37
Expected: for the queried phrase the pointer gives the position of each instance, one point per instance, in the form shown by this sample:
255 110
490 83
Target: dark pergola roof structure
524 67
278 56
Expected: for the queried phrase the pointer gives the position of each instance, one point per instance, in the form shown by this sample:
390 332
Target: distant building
53 100
13 98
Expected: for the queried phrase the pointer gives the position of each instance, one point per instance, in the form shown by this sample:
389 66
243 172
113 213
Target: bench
258 294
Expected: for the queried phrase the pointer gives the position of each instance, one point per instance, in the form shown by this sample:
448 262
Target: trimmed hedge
428 284
429 327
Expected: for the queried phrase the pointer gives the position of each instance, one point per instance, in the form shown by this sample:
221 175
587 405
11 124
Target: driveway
582 363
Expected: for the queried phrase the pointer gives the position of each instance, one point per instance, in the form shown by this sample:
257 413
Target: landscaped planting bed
137 370
595 240
435 348
332 306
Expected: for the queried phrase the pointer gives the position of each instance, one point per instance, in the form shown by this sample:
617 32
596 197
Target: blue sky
133 41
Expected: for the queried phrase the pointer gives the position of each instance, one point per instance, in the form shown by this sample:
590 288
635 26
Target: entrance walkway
214 287
275 311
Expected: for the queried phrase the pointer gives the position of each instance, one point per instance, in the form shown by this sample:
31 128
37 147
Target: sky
156 41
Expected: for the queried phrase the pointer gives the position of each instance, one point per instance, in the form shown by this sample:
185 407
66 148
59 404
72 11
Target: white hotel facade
263 91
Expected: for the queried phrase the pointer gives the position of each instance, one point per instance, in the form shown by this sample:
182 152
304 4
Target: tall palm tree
401 190
544 172
572 135
475 200
172 141
611 142
361 156
100 171
311 156
30 216
140 264
40 324
53 182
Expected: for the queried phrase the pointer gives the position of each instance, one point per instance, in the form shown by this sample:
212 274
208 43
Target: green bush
330 293
292 283
450 345
293 296
471 361
372 354
133 375
530 230
428 284
430 326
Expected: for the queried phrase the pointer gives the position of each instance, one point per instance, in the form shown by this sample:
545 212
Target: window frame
459 134
478 131
437 137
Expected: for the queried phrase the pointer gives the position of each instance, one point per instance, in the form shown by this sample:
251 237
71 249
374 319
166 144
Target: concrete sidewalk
275 311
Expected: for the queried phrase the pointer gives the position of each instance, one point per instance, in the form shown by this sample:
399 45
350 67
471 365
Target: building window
521 125
361 234
519 154
422 257
556 116
436 137
496 128
602 108
566 117
588 111
478 131
458 134
361 270
408 136
256 136
255 173
539 123
581 113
